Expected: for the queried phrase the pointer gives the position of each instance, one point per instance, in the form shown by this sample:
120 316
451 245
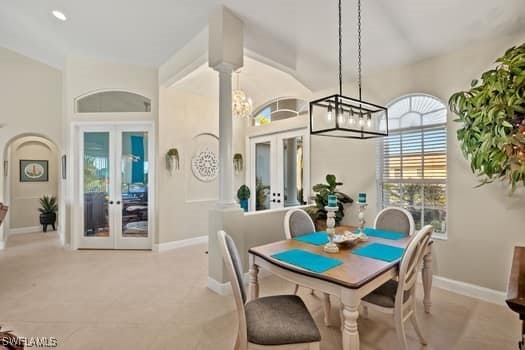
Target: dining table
350 281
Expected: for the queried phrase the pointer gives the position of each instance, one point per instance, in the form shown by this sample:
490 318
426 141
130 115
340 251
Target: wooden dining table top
354 272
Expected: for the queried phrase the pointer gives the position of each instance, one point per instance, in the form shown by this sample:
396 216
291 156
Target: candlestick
362 197
361 217
332 200
330 247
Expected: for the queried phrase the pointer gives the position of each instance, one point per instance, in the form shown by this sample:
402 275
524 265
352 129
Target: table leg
253 279
326 308
350 332
426 273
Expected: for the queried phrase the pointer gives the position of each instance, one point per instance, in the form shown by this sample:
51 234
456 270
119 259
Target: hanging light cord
359 82
359 70
340 53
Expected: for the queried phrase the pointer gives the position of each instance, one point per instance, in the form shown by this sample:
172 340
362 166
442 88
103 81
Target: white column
291 172
226 198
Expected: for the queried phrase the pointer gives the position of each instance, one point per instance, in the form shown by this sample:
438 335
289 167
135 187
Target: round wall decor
205 166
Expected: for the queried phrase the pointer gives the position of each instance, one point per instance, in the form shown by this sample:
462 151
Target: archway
32 169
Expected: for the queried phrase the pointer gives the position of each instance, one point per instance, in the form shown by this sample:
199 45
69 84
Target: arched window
113 102
279 109
412 169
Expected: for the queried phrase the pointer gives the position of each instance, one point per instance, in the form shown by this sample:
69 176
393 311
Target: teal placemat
380 251
374 232
308 261
315 238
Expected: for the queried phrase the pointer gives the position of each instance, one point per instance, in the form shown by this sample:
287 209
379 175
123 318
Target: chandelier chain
359 82
340 53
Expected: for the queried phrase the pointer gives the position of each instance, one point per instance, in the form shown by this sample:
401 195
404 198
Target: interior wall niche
113 102
203 168
24 195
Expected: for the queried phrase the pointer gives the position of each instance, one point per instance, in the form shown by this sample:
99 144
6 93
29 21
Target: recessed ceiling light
60 15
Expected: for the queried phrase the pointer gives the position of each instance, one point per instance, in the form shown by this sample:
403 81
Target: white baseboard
162 247
30 229
226 287
470 290
218 287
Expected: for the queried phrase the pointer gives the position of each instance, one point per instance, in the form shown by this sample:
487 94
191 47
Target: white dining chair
297 222
395 219
280 322
399 297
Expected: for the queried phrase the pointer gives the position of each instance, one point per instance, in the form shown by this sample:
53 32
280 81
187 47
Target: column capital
224 68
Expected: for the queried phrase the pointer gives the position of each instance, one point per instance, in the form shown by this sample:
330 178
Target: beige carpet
150 301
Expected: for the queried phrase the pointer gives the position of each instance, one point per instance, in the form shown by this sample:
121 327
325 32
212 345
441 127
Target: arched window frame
296 112
78 99
394 166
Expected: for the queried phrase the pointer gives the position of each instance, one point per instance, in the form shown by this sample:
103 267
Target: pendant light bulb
340 116
369 120
329 115
361 121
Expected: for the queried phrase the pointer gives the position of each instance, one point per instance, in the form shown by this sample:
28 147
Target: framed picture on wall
34 170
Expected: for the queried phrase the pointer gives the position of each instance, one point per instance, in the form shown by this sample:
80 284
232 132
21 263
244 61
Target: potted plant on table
243 194
48 211
322 191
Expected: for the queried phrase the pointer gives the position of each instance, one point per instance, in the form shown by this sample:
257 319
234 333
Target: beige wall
31 100
483 224
25 196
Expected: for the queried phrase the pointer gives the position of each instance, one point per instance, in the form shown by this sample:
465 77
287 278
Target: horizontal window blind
412 160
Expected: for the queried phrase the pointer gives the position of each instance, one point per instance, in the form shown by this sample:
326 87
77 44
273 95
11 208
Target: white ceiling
148 32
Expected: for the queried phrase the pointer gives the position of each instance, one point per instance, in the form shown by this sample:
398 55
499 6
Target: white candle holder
361 217
330 247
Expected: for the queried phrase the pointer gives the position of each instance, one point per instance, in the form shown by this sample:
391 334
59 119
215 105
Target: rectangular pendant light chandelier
345 117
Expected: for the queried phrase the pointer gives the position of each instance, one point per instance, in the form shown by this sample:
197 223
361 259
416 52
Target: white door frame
75 178
276 163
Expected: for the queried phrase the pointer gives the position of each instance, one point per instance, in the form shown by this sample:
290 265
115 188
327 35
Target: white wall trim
2 245
470 290
162 247
226 287
218 287
29 229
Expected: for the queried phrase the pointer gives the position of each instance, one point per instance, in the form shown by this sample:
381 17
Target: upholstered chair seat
279 320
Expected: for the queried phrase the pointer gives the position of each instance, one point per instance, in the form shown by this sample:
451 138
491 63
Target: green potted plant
492 114
322 191
48 211
261 194
172 159
243 193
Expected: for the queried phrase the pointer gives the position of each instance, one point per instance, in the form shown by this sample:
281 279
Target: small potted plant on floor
48 211
243 194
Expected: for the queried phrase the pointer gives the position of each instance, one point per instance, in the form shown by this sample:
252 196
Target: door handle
111 202
118 202
273 200
278 201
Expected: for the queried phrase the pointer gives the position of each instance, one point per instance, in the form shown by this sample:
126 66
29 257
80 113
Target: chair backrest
395 219
3 212
410 263
234 269
297 222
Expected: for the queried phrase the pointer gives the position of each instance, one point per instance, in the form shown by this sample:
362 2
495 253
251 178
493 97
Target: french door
115 177
278 174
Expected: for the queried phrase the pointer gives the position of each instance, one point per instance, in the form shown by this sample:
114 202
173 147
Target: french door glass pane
262 175
134 186
96 184
293 171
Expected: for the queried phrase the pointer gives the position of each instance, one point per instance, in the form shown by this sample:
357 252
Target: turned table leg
427 280
350 332
253 279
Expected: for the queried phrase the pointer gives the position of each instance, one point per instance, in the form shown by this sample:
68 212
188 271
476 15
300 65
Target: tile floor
144 300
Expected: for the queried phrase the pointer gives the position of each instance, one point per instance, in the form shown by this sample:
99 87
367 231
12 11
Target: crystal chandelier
341 116
241 103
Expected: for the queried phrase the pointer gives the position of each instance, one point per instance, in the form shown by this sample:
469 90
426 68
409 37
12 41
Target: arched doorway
31 170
